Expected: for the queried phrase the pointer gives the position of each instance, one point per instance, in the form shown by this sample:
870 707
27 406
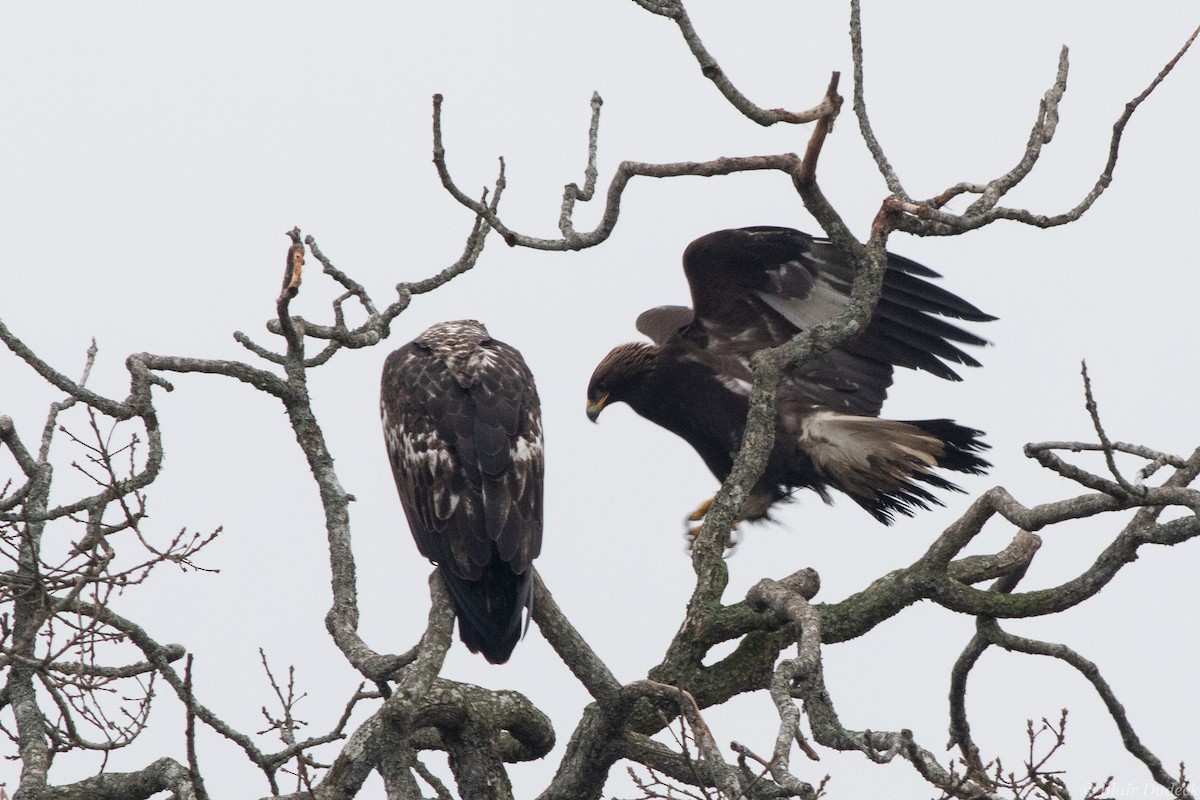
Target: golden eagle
754 288
463 429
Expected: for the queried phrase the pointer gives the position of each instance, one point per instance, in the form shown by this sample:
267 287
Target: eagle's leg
692 531
701 510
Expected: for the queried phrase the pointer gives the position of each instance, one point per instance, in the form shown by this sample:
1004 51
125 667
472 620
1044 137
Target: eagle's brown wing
754 288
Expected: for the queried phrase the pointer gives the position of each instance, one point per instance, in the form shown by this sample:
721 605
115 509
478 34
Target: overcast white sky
153 155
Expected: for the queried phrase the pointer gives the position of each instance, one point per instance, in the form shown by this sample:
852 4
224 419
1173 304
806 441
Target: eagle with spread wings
754 288
463 429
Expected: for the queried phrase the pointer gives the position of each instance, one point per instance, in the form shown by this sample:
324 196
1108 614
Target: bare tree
79 676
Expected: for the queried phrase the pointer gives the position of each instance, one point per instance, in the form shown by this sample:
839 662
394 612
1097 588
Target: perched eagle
463 429
755 288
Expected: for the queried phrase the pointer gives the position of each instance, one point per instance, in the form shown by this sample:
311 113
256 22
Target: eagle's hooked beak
594 408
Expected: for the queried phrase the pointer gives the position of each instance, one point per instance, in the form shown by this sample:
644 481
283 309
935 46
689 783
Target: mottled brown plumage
463 430
754 288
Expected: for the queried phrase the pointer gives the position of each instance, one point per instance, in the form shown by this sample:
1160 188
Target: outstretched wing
663 322
754 288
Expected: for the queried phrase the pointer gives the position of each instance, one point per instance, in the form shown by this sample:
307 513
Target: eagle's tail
491 610
885 465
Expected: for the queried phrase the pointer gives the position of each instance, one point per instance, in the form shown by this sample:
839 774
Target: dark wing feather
462 426
508 439
418 404
729 272
663 322
754 288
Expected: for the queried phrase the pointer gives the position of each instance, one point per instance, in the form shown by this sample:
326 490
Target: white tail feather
864 456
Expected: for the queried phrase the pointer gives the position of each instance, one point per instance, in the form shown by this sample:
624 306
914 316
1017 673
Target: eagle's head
619 376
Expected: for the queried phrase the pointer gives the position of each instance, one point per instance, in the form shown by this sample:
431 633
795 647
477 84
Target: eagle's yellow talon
701 510
691 533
